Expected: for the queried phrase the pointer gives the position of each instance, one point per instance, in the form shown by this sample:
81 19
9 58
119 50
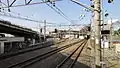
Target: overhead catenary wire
19 17
63 14
54 7
26 3
59 11
18 14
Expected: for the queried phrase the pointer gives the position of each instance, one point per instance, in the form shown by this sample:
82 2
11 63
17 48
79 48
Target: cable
6 14
63 13
22 18
18 14
33 3
58 12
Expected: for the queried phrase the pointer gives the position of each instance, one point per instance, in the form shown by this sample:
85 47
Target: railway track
66 63
32 60
36 47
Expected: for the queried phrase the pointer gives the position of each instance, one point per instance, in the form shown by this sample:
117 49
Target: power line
60 11
63 15
26 4
19 14
22 18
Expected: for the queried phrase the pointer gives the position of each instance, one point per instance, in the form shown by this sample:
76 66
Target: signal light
56 31
89 28
41 30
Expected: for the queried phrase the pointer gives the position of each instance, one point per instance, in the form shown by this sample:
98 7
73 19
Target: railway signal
56 30
41 30
89 28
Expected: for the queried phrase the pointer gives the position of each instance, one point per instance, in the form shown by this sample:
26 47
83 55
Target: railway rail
32 60
32 48
79 49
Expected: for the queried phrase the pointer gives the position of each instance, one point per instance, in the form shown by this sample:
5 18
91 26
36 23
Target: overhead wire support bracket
85 6
25 3
8 5
28 2
52 7
22 18
12 3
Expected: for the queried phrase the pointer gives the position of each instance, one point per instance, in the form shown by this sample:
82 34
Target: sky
72 10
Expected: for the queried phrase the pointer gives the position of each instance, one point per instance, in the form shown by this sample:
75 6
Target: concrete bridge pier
1 47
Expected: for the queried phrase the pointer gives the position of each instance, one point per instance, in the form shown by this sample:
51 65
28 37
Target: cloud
114 21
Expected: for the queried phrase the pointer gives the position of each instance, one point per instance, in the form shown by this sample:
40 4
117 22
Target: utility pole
69 31
97 21
111 34
44 30
0 5
40 29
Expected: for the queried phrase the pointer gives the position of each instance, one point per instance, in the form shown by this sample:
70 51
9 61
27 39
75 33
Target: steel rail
67 58
35 47
37 58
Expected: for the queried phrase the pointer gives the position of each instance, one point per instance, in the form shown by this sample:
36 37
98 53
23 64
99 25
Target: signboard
104 44
105 32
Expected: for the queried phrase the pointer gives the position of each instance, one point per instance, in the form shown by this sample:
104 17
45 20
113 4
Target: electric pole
96 9
44 30
97 21
111 31
69 31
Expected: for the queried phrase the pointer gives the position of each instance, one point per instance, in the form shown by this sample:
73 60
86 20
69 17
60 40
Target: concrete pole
59 32
0 6
69 31
97 21
103 22
1 47
92 37
40 32
110 34
44 30
79 34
